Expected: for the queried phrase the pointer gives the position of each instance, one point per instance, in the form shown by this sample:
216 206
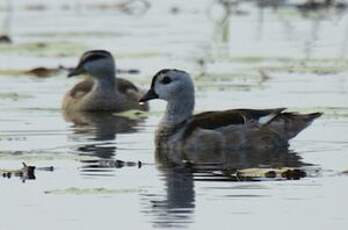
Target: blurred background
251 53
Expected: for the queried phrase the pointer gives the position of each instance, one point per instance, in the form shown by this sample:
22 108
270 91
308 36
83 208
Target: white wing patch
265 119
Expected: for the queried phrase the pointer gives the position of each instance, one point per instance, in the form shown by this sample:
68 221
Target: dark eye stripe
166 80
94 55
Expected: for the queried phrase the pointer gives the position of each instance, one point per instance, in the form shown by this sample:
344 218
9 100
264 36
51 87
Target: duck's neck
178 111
104 85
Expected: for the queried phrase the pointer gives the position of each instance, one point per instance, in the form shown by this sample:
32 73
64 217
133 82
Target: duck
101 90
184 136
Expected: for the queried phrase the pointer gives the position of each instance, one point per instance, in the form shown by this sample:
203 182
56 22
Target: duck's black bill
75 72
150 95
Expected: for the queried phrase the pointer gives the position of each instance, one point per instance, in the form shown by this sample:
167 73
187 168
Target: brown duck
101 90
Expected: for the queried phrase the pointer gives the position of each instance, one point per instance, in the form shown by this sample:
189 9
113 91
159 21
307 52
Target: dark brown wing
124 85
290 124
256 114
81 88
218 119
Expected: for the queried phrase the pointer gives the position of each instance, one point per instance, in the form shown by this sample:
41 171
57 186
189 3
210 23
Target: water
105 172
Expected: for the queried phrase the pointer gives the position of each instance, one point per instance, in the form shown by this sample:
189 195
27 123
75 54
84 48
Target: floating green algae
59 49
14 96
309 68
70 34
258 59
264 173
30 156
91 191
137 55
11 72
320 66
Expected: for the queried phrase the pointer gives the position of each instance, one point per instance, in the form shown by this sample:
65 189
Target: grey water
105 173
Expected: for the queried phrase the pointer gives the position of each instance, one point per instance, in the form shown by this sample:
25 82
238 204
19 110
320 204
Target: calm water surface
105 171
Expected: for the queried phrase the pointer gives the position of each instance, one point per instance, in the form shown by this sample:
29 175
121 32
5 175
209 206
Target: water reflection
98 132
314 14
175 205
274 163
220 14
27 172
100 126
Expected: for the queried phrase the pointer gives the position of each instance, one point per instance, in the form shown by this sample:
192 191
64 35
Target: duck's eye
166 80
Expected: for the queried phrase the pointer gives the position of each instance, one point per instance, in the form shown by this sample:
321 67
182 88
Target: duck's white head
96 63
175 87
170 85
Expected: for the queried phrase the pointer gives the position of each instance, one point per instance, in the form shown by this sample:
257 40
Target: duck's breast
73 99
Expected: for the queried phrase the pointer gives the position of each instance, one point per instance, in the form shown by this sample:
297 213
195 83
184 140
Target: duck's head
96 63
170 85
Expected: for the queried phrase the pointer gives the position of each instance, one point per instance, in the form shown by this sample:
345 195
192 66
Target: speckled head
170 85
96 63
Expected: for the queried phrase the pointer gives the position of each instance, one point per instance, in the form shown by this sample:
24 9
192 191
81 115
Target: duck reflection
98 131
100 126
275 162
176 205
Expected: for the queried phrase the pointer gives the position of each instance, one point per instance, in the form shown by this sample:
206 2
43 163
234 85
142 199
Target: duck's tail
289 125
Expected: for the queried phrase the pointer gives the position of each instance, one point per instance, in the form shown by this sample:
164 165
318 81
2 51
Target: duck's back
245 128
82 97
131 94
